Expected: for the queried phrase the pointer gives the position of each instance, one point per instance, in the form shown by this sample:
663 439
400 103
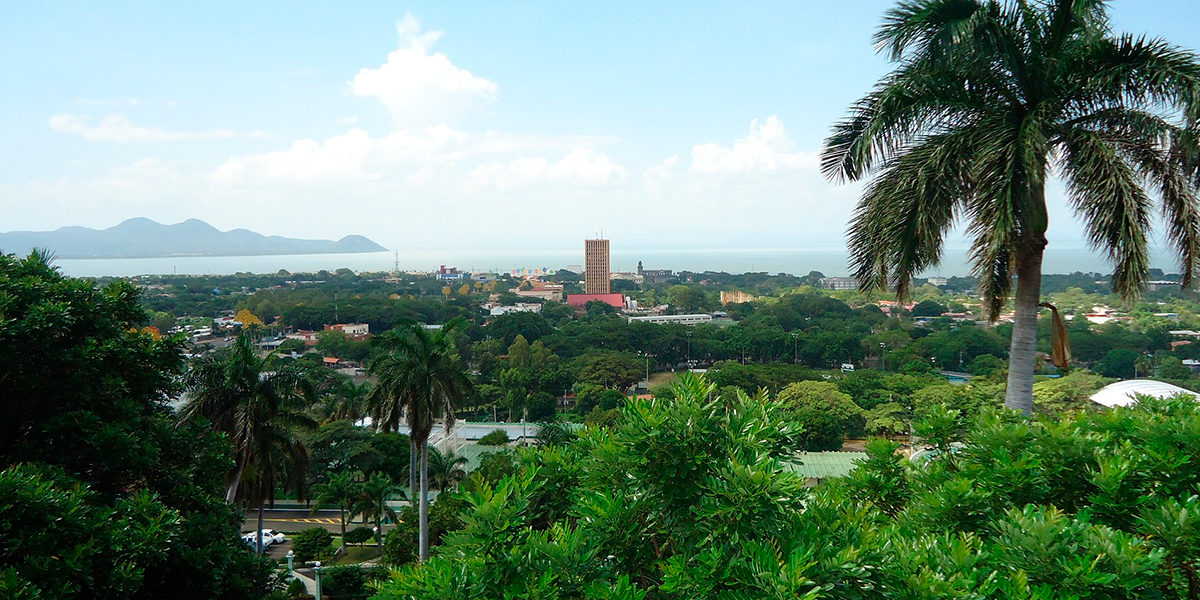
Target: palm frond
1106 192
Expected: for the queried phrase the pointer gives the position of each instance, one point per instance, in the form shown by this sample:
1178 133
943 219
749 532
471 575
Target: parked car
270 537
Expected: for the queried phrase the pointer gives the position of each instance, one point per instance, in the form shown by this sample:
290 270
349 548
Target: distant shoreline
201 255
831 263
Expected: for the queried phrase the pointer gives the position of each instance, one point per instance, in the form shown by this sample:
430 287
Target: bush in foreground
1090 505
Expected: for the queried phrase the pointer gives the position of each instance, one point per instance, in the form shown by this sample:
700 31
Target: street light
291 555
689 352
317 569
647 357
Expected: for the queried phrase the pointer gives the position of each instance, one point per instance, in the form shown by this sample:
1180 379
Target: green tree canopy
105 494
988 99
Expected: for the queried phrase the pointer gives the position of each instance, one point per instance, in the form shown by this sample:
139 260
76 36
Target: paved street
289 520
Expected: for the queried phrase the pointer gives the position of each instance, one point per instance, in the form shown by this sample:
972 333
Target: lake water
831 262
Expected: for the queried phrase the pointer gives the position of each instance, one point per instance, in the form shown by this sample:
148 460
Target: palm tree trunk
231 491
258 532
343 525
379 528
412 469
423 512
1023 350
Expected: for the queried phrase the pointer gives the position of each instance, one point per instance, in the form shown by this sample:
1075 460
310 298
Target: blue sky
449 124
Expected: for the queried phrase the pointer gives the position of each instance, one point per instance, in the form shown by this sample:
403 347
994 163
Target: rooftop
819 465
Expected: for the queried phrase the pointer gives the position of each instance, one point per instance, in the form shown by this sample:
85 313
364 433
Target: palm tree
342 399
989 99
259 405
419 376
371 502
446 470
1143 365
342 490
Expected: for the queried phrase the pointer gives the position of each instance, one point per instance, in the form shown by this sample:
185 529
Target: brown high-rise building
595 254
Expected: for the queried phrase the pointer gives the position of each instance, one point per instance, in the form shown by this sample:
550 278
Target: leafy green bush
296 589
400 544
359 535
312 544
1090 505
344 583
498 437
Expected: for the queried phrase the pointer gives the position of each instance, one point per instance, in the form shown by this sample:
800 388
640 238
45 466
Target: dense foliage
104 494
1089 505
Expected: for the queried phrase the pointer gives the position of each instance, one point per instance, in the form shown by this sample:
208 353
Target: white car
270 537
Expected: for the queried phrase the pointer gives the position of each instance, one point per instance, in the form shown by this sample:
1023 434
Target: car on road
270 537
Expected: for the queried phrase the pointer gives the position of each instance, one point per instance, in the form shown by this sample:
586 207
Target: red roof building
579 300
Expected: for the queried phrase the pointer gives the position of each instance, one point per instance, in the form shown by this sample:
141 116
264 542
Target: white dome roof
1122 393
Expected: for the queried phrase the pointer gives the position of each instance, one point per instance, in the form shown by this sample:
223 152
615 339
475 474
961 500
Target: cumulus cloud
418 87
766 148
354 155
338 158
116 128
580 168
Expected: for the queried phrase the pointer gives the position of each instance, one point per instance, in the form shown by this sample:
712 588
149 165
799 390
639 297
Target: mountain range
143 238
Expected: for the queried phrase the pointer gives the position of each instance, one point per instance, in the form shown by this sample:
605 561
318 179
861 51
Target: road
290 521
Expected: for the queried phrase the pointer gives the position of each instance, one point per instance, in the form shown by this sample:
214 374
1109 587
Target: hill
143 238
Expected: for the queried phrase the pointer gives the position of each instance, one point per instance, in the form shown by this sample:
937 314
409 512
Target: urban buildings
736 297
839 283
356 331
680 319
531 307
581 300
654 275
550 292
595 254
451 274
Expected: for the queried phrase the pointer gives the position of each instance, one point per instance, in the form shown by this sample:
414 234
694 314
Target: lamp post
291 555
689 352
795 347
883 354
647 357
317 569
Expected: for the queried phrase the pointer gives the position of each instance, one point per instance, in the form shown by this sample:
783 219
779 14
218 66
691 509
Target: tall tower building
595 253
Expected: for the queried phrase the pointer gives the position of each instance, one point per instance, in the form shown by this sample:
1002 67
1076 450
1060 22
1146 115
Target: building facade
839 283
680 319
595 254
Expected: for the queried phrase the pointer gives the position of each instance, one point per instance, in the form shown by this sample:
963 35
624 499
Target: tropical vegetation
989 100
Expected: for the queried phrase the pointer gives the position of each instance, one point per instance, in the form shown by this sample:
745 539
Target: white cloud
347 120
766 148
658 175
436 153
338 158
579 168
420 88
116 128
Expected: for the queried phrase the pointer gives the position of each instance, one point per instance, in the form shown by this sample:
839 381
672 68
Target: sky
452 124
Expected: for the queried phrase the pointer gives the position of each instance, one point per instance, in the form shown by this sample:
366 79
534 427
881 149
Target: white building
1125 393
839 283
681 319
529 307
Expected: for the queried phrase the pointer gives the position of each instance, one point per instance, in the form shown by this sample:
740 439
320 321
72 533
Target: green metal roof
819 465
474 454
